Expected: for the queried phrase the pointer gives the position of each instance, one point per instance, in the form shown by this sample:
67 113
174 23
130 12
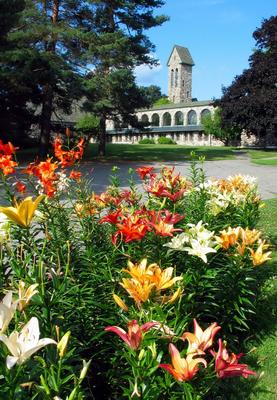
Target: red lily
143 171
183 369
227 365
133 337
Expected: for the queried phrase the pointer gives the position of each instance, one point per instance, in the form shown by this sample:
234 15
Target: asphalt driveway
266 175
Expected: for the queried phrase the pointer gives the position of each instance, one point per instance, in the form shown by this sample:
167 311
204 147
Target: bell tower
180 65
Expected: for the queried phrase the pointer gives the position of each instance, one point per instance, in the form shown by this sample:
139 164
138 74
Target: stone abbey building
179 120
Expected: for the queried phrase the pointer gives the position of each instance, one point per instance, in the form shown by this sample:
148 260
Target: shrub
147 141
165 140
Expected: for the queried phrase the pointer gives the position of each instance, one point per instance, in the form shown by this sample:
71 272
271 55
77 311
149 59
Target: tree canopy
250 102
57 51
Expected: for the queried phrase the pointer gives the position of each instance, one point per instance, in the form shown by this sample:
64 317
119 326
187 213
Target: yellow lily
22 214
25 294
258 257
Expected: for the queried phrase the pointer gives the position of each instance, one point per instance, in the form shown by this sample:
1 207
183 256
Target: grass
263 157
261 346
146 152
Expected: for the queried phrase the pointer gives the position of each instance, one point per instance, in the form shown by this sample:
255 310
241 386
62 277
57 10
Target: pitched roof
183 53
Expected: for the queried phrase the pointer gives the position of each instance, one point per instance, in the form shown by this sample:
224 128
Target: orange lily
200 340
228 238
182 369
134 336
140 292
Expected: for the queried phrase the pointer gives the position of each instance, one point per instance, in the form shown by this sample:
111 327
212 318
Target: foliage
51 47
161 102
87 125
152 93
147 141
251 100
165 140
173 264
212 124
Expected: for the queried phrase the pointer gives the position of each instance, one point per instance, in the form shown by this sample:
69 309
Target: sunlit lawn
263 157
146 152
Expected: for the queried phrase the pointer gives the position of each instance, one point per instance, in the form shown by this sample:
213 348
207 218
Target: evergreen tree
120 46
16 85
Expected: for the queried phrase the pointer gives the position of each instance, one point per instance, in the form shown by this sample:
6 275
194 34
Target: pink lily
133 337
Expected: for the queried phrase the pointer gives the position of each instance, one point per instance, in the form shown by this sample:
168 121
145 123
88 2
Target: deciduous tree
250 102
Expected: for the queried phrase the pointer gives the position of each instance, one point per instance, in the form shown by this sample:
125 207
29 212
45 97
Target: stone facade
180 75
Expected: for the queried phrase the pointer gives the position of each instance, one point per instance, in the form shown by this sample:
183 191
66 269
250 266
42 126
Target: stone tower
180 66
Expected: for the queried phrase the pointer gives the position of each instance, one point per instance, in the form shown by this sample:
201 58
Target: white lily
199 250
24 344
7 310
178 241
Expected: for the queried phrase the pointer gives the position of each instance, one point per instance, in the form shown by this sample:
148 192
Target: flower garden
140 293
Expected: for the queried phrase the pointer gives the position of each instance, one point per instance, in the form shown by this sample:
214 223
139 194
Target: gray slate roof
184 54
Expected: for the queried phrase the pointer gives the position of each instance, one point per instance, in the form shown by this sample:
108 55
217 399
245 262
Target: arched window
176 77
205 113
145 119
166 119
155 121
179 118
172 78
192 118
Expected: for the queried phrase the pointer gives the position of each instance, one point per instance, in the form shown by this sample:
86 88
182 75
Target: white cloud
146 75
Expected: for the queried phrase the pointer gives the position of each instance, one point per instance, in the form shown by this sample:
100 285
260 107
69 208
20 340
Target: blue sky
218 34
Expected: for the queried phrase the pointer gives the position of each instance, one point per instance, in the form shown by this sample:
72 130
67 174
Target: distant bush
165 140
147 141
162 101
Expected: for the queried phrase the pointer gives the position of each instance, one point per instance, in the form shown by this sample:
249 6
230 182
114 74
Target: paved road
266 175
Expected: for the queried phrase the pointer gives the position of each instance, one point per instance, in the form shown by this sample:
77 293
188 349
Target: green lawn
148 152
263 157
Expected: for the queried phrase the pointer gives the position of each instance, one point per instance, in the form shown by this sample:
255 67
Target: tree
212 125
120 46
153 93
16 83
250 102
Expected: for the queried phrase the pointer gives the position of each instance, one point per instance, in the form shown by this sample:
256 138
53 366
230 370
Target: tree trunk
102 137
47 91
45 121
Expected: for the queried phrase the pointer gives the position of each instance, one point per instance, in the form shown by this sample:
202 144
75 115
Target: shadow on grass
136 152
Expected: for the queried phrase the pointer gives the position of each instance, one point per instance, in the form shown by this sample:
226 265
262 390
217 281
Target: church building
181 118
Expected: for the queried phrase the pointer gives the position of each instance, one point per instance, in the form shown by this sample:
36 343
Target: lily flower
228 238
227 365
120 302
24 344
22 214
134 336
25 294
199 250
182 369
200 340
143 171
163 278
7 310
258 257
139 291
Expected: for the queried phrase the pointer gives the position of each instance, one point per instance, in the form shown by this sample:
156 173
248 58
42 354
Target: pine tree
121 44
